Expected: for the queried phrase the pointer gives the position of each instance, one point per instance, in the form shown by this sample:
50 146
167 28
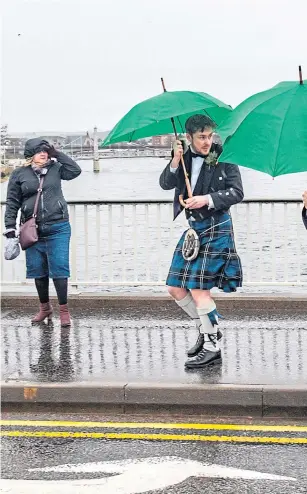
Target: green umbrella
268 131
154 116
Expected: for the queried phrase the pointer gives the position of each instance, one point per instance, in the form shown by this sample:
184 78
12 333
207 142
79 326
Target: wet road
184 457
137 344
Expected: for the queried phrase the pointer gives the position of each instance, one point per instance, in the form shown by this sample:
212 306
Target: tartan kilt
217 264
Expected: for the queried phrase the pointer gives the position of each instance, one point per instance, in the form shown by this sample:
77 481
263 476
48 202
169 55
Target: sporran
191 245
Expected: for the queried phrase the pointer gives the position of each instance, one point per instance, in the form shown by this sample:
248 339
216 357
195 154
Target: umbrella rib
130 140
280 133
181 126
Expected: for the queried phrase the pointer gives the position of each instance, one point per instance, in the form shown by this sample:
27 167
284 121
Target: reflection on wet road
136 345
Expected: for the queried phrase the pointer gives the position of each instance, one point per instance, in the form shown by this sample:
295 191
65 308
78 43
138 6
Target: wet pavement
144 345
73 465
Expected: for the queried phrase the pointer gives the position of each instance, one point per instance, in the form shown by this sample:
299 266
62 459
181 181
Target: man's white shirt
197 163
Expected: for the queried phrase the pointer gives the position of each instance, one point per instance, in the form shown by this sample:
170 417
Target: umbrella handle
187 182
181 200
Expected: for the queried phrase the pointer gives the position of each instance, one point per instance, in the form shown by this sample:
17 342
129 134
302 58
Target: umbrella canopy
268 131
153 116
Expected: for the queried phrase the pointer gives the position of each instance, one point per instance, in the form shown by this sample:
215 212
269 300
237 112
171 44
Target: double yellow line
161 436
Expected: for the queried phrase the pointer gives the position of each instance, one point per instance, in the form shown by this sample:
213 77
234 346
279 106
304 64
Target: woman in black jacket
49 257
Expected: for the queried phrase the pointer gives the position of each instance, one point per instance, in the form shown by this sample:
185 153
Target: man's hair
198 123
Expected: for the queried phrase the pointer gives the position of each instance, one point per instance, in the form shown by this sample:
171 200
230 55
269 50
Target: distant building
167 140
88 141
13 142
157 141
162 141
54 140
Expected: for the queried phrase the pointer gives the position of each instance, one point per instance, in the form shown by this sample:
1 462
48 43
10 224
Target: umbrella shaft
187 181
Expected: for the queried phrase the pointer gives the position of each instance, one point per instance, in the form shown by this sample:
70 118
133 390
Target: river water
273 241
138 178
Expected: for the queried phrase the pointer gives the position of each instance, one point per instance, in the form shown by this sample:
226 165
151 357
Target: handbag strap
39 193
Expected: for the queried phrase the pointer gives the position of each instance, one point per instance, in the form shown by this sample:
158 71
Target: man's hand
305 199
178 152
197 202
180 147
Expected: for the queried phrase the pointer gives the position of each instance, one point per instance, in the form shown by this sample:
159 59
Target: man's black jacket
222 181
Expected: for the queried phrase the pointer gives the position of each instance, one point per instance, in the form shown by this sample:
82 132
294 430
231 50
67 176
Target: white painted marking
133 476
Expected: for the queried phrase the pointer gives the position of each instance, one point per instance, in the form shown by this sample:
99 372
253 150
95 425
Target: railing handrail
73 202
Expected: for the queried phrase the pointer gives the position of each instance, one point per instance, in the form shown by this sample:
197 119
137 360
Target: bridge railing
130 243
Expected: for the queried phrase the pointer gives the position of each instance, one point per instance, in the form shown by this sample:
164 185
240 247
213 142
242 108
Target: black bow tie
195 155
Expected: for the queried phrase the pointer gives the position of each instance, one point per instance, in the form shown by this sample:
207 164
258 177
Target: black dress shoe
192 352
204 359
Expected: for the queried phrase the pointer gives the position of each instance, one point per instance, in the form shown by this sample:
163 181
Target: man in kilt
216 187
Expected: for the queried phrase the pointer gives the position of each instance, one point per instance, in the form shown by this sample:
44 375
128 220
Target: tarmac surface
137 345
130 355
72 454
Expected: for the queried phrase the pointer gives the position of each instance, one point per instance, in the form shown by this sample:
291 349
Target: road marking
132 476
155 437
153 425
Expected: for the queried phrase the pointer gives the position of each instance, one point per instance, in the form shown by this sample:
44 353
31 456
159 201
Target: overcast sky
81 63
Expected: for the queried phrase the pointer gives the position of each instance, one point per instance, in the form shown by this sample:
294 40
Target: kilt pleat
217 264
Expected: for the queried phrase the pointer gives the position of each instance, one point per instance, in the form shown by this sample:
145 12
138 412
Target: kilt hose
217 264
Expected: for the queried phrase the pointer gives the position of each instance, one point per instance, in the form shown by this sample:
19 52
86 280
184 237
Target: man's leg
206 310
184 299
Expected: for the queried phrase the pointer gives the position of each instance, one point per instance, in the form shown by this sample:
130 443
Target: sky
68 65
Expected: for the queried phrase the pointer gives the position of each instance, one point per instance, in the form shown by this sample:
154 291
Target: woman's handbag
28 235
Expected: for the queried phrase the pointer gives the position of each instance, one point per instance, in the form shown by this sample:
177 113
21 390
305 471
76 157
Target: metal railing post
131 246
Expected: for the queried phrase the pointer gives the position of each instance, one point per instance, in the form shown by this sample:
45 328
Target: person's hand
52 152
178 153
10 234
197 202
180 147
305 199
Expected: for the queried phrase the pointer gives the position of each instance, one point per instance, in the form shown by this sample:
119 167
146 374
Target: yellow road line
150 425
156 437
